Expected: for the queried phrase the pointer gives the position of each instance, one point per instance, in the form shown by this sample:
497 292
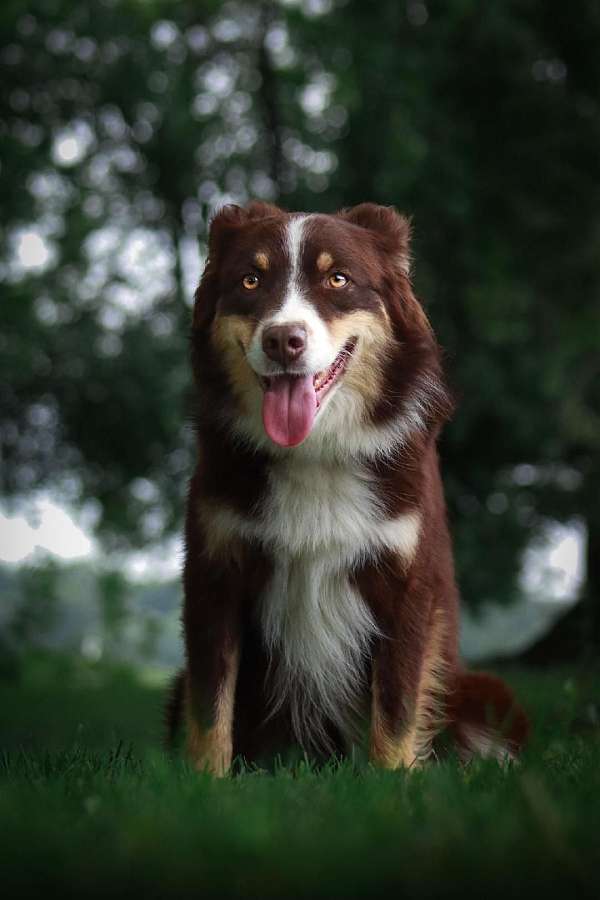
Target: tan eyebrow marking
324 261
262 260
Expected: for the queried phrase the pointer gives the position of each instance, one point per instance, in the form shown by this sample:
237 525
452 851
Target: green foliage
113 589
479 120
32 606
482 122
39 598
91 611
89 800
57 702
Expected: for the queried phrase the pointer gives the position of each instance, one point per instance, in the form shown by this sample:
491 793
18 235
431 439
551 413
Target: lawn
89 806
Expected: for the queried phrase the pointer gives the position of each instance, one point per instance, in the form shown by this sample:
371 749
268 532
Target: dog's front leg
407 667
409 685
212 636
393 735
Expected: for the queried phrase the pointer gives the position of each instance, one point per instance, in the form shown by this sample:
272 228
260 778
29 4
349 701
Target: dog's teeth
324 379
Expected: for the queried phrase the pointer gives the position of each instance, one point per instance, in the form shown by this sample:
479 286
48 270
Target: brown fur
414 683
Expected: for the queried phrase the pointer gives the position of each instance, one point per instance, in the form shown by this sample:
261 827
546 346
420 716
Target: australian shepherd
321 608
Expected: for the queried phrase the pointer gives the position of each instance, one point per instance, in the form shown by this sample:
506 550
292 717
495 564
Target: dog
321 608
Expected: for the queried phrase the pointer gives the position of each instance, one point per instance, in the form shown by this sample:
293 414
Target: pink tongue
289 407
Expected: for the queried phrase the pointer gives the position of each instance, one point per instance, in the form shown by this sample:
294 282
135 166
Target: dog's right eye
250 282
337 280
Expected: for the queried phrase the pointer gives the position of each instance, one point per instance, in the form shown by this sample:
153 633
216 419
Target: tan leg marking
385 749
433 687
210 749
410 749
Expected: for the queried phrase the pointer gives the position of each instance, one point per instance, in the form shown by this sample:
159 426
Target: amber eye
337 280
250 282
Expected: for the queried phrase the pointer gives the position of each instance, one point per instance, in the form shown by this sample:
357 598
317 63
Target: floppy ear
224 223
205 298
392 231
231 217
226 219
258 209
391 228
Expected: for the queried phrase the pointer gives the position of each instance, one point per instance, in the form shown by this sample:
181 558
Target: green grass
90 807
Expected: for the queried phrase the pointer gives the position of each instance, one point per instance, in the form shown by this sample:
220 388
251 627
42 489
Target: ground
89 806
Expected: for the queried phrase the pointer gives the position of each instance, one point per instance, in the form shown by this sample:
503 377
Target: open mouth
324 381
291 402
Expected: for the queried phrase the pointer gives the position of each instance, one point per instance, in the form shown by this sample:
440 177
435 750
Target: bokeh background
125 123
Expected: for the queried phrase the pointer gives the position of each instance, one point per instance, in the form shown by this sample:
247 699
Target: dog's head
312 323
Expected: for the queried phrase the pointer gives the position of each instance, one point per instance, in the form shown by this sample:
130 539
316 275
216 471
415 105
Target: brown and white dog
319 580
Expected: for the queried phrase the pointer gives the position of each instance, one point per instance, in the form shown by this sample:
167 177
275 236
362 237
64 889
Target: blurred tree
151 634
484 122
120 130
32 598
113 591
122 124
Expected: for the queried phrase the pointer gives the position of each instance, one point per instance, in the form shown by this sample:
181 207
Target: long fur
319 581
485 717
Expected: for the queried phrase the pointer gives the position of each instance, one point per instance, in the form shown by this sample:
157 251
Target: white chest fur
319 629
317 509
317 522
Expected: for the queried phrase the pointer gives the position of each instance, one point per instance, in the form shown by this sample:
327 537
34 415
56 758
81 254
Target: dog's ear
259 209
224 223
226 220
231 217
392 229
392 232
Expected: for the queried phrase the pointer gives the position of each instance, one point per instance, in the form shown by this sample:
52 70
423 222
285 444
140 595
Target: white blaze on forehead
296 307
294 236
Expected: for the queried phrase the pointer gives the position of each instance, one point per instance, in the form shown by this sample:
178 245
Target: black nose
284 344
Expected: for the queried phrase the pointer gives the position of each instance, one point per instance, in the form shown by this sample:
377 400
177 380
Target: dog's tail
174 711
485 718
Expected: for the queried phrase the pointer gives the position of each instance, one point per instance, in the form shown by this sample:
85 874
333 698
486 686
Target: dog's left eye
337 280
250 282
